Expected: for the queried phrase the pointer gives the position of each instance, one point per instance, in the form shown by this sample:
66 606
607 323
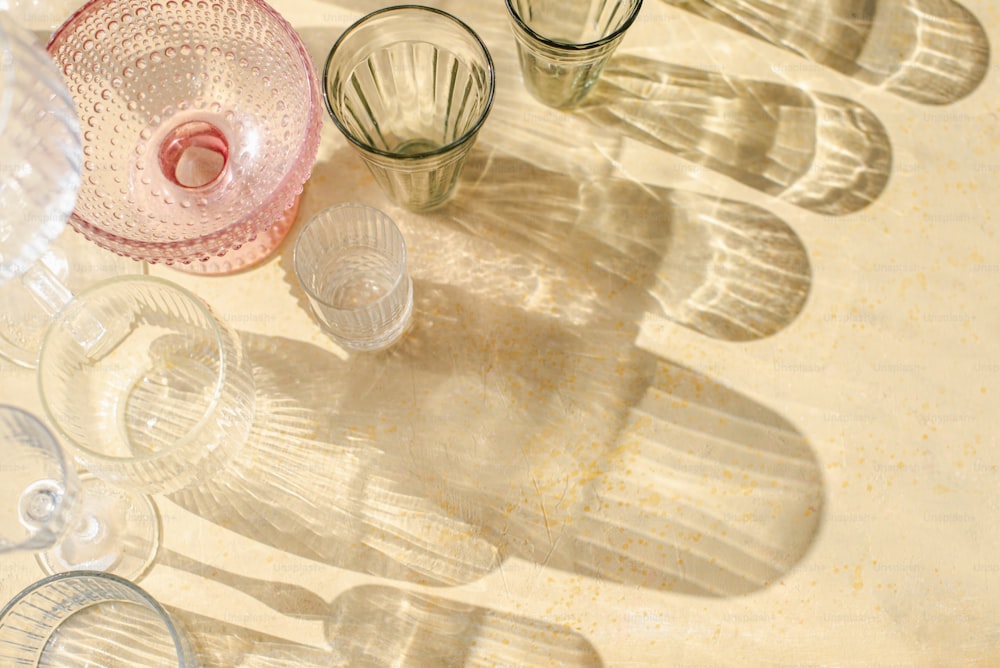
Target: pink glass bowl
201 122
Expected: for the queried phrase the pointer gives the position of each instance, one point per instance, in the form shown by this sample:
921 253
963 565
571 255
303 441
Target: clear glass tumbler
165 398
201 124
87 618
351 261
564 44
410 88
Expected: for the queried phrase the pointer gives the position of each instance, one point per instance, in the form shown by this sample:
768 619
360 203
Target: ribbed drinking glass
87 618
351 261
410 87
564 44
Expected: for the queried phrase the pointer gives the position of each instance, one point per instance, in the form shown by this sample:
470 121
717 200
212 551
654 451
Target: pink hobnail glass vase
201 122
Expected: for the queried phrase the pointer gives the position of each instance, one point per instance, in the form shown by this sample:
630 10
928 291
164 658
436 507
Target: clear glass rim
331 210
410 157
570 45
206 416
180 647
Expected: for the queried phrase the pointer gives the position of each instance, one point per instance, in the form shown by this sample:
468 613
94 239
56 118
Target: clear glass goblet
40 164
163 400
88 618
70 522
201 125
40 152
72 262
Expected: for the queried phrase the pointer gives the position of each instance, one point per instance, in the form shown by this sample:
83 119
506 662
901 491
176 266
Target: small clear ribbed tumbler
87 618
410 87
351 261
564 44
166 396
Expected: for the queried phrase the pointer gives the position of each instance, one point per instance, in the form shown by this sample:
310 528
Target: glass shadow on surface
726 269
462 447
318 485
927 51
379 626
820 152
494 427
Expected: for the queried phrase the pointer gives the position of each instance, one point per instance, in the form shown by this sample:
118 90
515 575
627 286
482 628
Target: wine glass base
249 254
77 263
117 531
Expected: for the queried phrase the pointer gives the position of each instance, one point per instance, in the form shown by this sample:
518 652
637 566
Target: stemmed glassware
202 122
41 159
75 521
164 399
70 522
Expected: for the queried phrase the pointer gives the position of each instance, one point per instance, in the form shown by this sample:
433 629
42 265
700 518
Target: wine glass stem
54 297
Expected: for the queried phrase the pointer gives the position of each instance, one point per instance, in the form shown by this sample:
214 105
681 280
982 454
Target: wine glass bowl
40 151
201 123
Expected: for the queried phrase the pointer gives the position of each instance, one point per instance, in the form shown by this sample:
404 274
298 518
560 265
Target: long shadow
509 420
927 51
313 479
820 152
380 626
726 269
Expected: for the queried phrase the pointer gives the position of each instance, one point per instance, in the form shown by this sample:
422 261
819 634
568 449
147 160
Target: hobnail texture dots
200 121
40 152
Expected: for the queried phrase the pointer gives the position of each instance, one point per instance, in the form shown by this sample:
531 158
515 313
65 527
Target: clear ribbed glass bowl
201 123
87 618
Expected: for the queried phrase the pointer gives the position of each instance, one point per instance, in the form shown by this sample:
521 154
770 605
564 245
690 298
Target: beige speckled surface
674 395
